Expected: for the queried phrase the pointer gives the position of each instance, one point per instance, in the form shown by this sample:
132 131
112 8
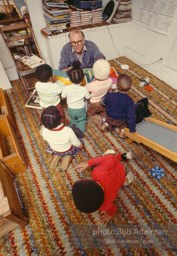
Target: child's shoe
126 156
121 133
104 126
129 155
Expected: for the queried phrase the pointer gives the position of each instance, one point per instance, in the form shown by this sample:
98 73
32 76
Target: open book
32 61
89 76
33 101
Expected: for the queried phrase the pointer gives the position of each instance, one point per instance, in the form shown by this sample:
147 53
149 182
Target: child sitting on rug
61 139
121 111
100 191
75 95
48 90
99 86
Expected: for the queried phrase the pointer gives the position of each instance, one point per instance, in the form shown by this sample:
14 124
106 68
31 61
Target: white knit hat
101 69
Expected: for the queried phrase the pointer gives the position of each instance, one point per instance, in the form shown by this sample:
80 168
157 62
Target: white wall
146 46
38 22
4 81
7 61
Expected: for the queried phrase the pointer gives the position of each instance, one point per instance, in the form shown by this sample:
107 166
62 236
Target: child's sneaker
121 133
104 127
129 155
126 156
128 179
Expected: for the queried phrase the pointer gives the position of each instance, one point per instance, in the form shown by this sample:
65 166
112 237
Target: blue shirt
91 54
120 106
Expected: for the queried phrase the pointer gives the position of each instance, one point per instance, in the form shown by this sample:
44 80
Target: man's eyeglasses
77 43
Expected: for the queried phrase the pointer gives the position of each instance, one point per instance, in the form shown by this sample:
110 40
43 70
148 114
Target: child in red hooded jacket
99 192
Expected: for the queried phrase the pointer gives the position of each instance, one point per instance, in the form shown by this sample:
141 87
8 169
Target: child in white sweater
61 139
48 90
75 95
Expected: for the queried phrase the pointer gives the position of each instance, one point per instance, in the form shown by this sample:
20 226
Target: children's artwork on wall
156 15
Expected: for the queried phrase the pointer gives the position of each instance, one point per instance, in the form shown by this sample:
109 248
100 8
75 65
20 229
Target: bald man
79 49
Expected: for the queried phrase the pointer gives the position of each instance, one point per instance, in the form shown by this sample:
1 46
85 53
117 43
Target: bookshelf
10 151
20 41
5 108
11 215
84 14
60 17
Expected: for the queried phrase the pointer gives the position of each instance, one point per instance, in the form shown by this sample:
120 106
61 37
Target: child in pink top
99 86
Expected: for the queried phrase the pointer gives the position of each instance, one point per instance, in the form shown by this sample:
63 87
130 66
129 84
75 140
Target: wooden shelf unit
10 152
20 40
11 215
5 107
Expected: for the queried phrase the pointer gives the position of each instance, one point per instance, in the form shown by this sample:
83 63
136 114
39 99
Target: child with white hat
99 86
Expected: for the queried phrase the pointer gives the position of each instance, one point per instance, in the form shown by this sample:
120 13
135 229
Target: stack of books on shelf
97 16
124 12
57 15
75 18
86 17
81 17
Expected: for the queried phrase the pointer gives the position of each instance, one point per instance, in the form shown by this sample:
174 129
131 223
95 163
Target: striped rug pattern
46 195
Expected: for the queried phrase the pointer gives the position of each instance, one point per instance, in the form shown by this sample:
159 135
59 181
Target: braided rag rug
56 227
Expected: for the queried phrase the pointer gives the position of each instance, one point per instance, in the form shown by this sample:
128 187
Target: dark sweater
120 106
